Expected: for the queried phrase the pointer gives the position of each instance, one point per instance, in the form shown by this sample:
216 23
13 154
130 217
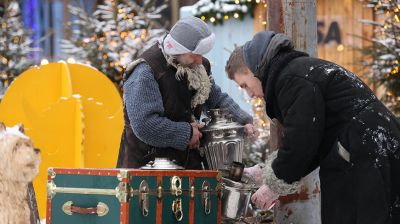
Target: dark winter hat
262 48
189 35
255 49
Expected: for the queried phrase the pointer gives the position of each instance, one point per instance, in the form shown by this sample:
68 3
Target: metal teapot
222 141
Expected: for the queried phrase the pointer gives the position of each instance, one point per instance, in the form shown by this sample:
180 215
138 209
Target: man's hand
276 134
251 131
194 142
264 198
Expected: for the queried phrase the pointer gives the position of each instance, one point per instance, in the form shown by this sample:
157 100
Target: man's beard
197 80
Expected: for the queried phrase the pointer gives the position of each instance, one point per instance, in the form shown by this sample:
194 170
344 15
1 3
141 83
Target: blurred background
72 110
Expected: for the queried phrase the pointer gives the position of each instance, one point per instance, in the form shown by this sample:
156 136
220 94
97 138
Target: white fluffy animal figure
19 165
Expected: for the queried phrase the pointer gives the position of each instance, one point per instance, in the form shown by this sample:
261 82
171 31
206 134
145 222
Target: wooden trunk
104 196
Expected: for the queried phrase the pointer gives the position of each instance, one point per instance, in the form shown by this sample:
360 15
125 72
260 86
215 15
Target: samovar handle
206 120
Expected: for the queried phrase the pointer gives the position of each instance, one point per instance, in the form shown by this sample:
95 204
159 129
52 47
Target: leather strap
79 210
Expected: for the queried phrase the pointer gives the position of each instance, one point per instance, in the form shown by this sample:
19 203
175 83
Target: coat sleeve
219 99
143 101
302 106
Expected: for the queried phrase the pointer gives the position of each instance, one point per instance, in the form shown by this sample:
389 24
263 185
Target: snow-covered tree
114 35
383 55
217 11
15 45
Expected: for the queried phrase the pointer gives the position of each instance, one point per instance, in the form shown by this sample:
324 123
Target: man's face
250 83
190 60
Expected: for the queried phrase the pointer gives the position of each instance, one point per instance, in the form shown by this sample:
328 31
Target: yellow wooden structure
72 112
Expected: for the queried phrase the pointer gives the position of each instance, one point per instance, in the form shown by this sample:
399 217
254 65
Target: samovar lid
161 164
218 119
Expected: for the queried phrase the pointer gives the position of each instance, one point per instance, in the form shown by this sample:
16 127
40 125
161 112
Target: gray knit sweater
143 102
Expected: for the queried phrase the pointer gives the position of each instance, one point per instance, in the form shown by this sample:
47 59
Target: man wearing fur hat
165 91
331 119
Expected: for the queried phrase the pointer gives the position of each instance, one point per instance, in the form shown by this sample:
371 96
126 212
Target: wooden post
298 20
174 11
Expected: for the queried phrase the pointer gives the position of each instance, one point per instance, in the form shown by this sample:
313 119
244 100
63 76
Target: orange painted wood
124 210
87 171
48 211
191 203
159 203
181 173
124 213
136 172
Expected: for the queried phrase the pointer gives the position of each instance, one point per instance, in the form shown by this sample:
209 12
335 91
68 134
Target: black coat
320 104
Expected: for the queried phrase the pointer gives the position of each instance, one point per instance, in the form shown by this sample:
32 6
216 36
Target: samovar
222 144
223 140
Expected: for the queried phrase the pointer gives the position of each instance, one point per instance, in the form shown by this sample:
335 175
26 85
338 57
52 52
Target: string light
395 71
340 47
258 107
16 39
247 7
124 34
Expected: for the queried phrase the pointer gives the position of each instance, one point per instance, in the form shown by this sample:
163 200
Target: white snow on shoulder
385 142
356 82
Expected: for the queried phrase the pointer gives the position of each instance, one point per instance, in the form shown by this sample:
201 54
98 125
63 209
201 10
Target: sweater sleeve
144 105
218 99
303 109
